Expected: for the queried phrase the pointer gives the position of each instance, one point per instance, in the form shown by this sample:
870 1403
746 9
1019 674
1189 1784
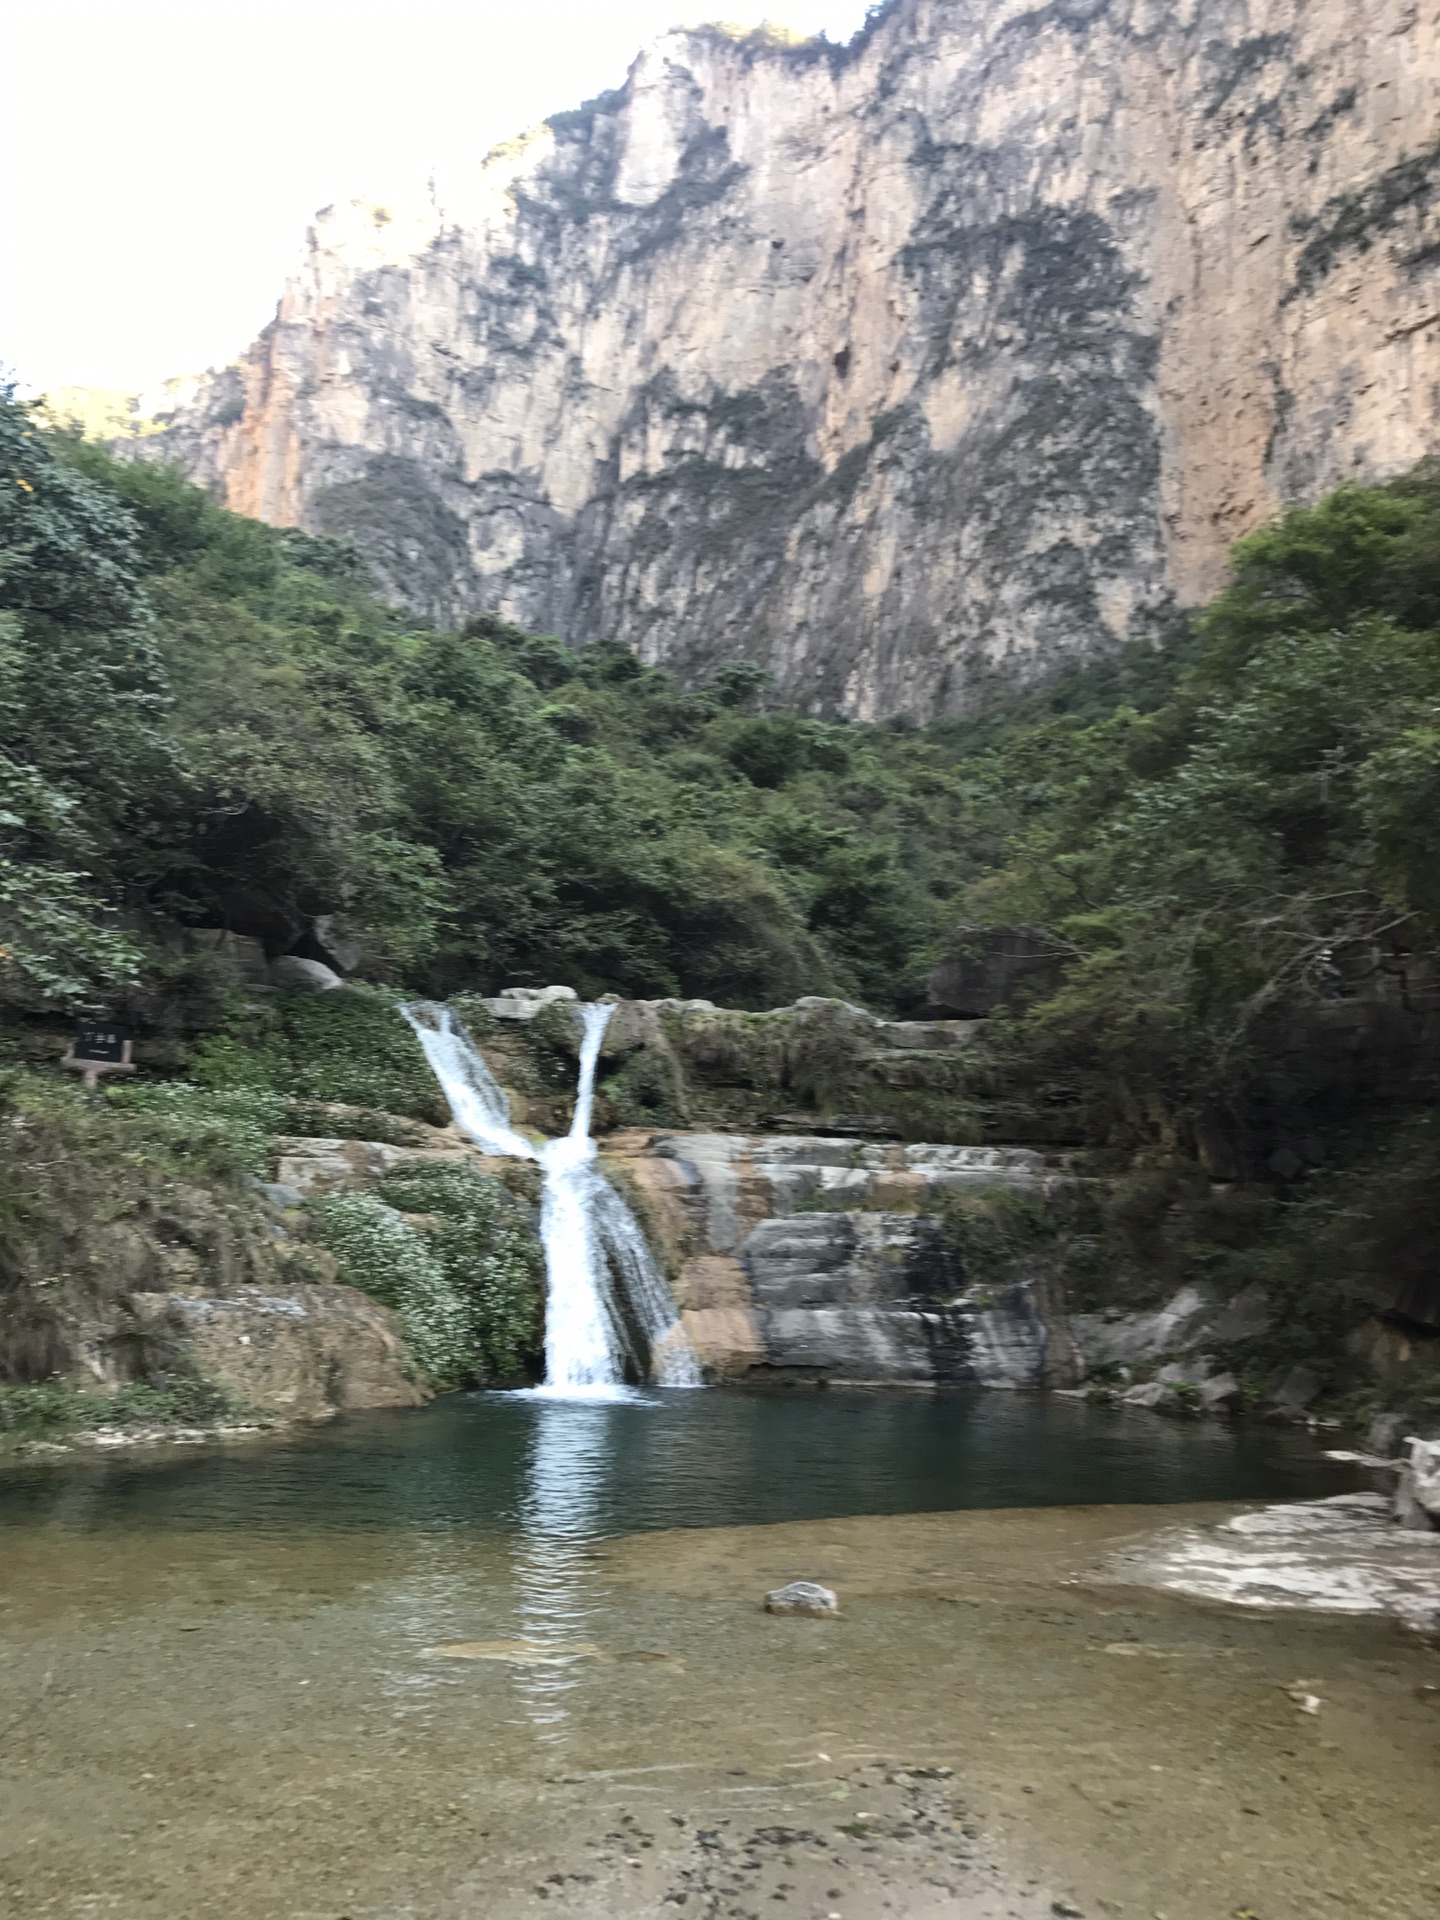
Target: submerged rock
803 1596
519 1653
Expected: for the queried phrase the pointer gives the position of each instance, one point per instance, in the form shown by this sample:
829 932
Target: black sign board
102 1040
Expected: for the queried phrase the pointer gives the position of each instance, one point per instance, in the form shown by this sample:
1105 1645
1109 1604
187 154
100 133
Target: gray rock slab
1153 1394
1005 1344
802 1150
1420 1483
708 1160
1341 1555
523 1003
1298 1388
1244 1318
281 1196
849 1343
1219 1393
825 1259
974 1159
1133 1339
310 1167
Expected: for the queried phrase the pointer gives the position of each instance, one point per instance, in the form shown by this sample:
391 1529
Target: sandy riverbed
206 1724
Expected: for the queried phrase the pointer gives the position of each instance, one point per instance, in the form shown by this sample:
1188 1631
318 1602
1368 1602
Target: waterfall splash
591 1238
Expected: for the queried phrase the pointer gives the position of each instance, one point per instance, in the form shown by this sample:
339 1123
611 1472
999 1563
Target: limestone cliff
898 367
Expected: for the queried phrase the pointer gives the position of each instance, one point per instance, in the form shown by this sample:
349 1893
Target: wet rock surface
809 1257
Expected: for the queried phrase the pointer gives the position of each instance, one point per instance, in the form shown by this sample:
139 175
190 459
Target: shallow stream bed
507 1656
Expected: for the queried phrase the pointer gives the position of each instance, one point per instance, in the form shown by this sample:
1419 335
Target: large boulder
302 1354
336 944
295 974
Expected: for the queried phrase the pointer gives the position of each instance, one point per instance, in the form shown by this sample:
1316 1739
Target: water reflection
498 1464
571 1446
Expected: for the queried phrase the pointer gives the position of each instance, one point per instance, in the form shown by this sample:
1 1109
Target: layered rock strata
814 1259
943 357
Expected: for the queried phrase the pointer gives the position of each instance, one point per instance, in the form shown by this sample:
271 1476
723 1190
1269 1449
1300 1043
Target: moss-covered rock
821 1065
139 1258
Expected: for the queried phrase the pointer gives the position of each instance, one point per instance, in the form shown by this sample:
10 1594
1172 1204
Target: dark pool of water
500 1463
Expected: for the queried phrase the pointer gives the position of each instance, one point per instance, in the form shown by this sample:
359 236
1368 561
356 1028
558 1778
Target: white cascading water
586 1229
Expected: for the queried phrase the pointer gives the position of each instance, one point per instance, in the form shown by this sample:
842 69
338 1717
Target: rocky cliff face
898 368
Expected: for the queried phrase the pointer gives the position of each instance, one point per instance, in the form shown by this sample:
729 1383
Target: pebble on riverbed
803 1596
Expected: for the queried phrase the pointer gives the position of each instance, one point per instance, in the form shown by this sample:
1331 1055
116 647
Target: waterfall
604 1295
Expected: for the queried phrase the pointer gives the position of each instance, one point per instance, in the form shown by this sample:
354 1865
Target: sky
165 156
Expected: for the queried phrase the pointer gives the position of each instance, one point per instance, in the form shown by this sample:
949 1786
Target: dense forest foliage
1232 841
1236 868
208 722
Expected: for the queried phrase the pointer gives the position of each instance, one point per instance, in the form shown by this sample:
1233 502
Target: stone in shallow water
802 1596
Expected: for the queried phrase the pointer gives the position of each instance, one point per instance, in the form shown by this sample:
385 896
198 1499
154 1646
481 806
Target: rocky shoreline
1345 1555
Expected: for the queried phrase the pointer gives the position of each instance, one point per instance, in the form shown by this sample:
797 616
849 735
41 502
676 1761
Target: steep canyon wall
902 368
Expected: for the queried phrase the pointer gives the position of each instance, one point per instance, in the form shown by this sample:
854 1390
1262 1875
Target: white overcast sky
163 157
